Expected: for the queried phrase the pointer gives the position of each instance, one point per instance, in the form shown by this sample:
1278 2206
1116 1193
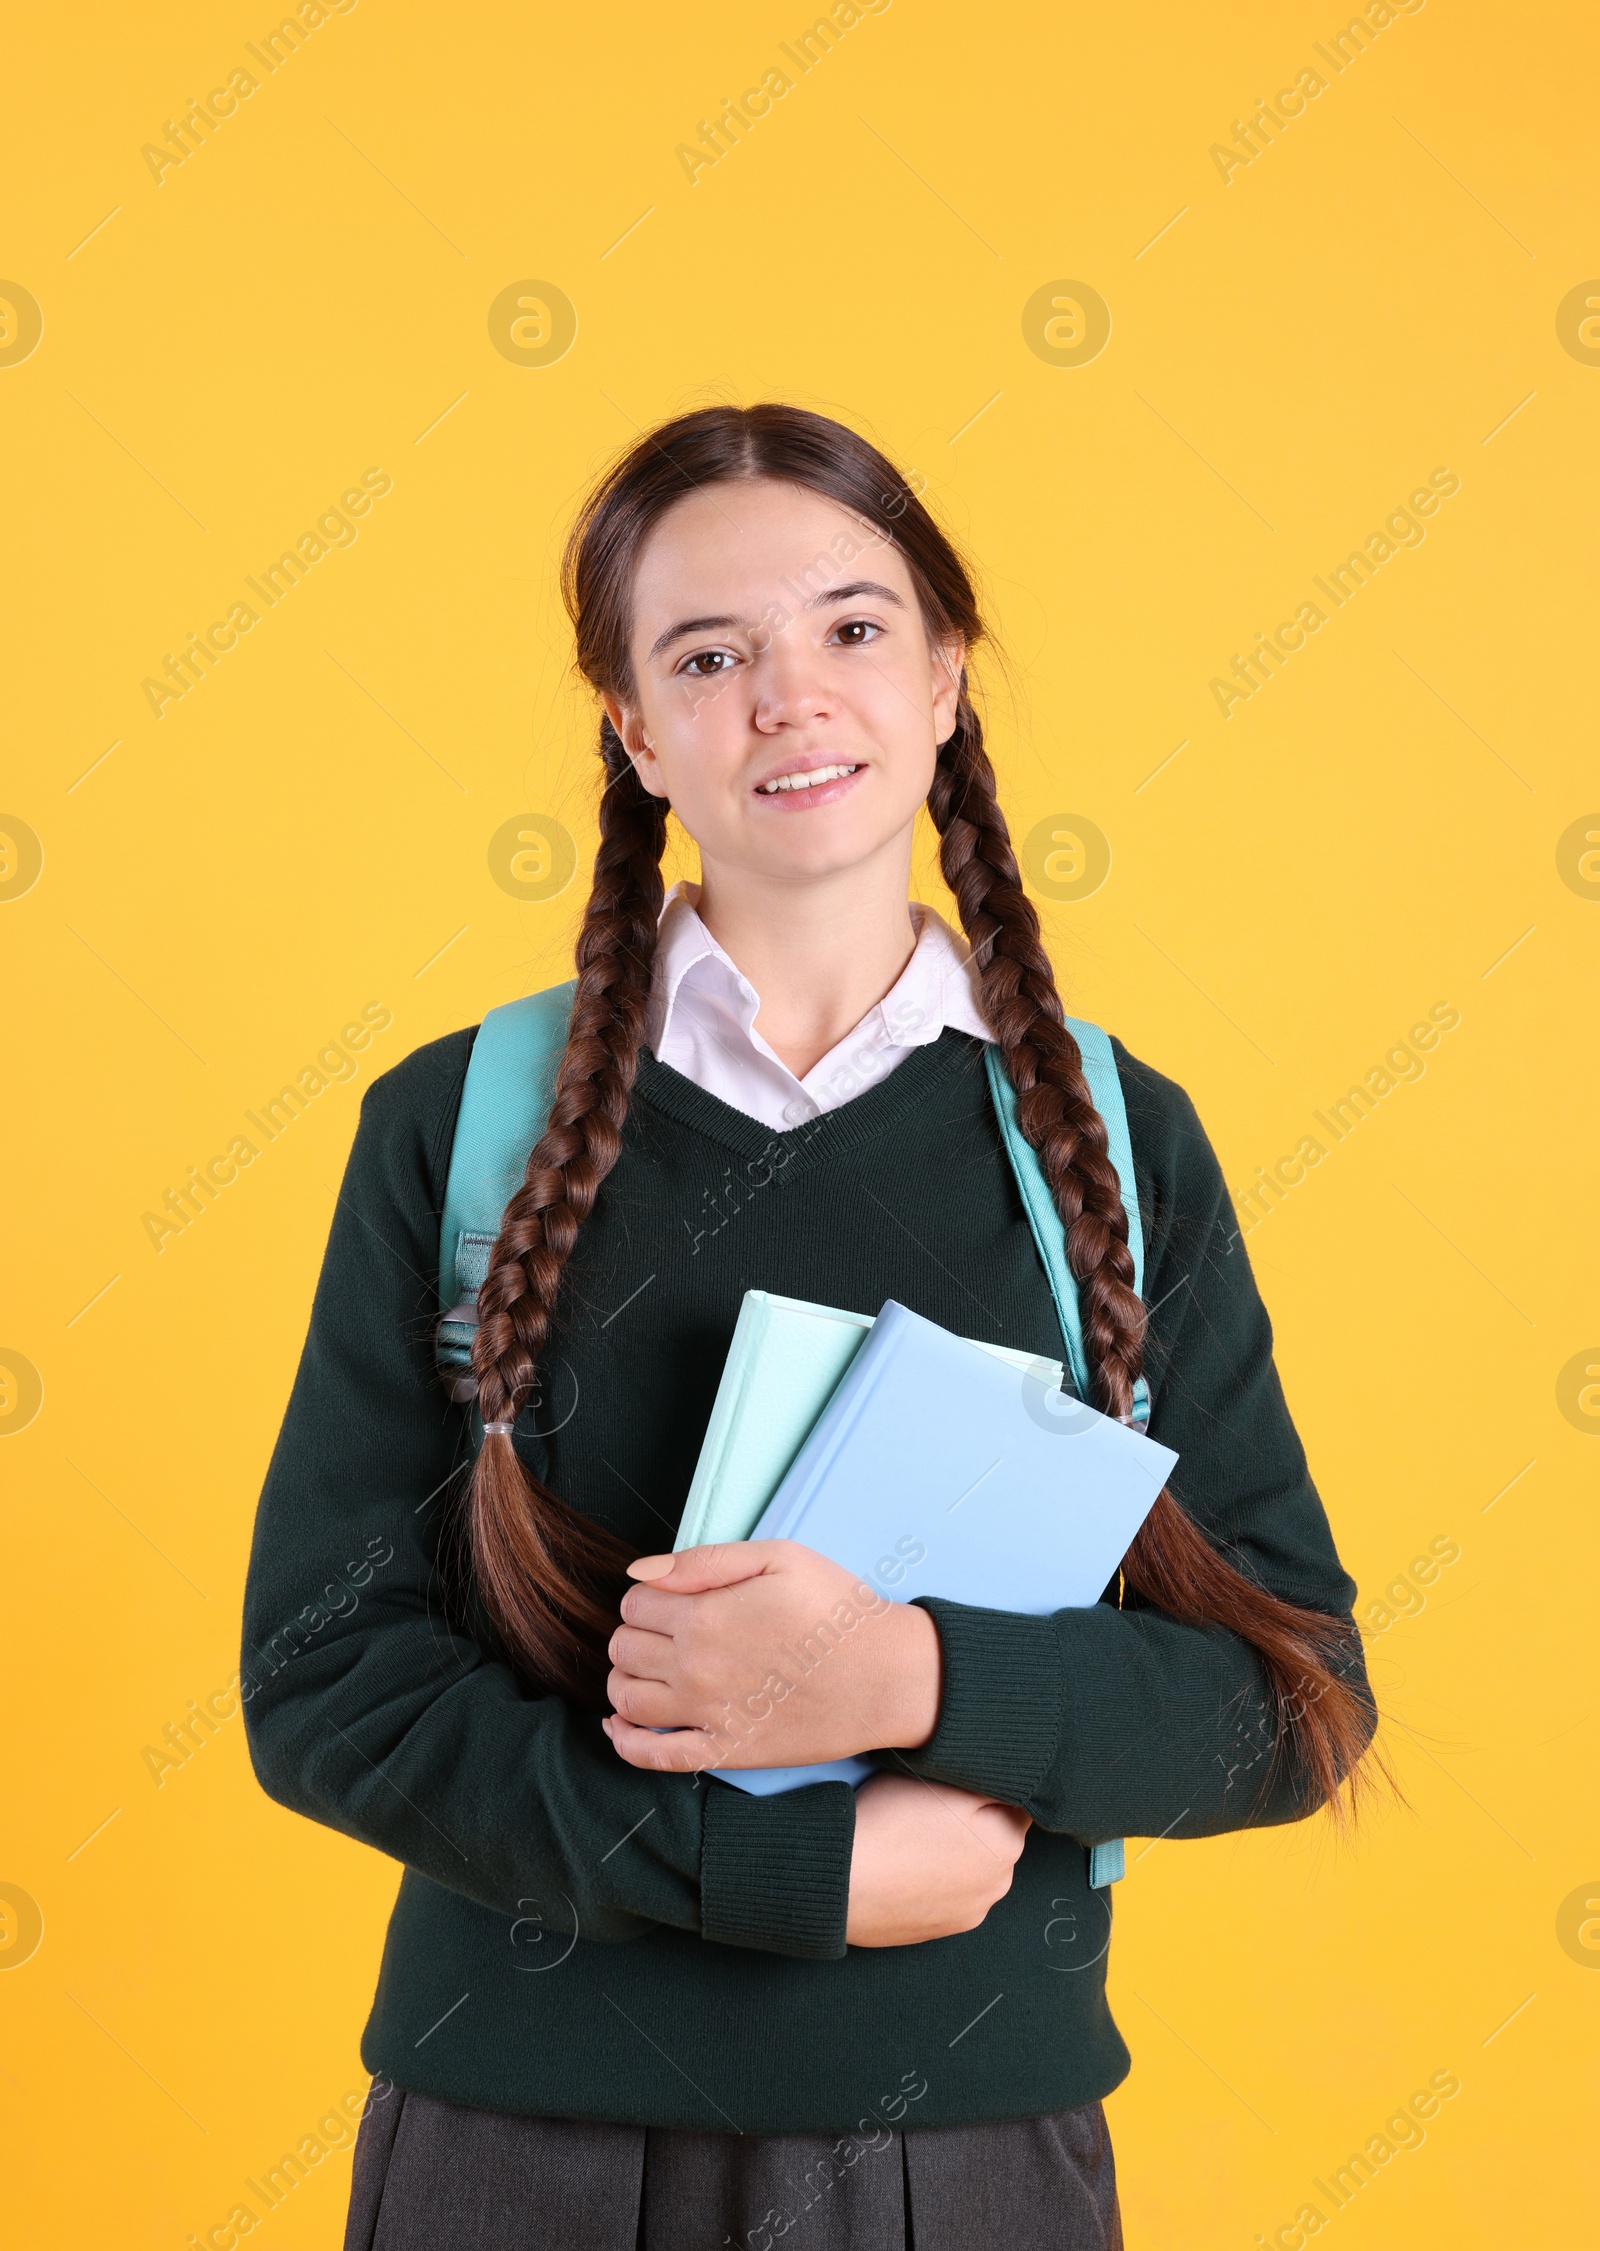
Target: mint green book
783 1366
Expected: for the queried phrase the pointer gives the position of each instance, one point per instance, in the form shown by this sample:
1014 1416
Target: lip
821 793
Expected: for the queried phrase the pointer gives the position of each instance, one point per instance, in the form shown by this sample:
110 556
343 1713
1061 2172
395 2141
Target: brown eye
854 632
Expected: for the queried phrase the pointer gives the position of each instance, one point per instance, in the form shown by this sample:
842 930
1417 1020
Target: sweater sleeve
1106 1722
372 1707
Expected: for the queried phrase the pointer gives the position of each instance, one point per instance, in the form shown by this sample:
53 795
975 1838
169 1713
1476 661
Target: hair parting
549 1578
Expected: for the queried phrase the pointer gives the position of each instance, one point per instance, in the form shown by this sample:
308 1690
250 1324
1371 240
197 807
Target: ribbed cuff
1000 1704
775 1872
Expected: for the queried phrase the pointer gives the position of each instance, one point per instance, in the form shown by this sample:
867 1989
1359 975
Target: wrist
911 1680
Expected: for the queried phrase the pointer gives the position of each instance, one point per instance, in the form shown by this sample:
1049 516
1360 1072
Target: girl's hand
928 1861
763 1653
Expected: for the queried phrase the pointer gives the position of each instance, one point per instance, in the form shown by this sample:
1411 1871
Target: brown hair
551 1579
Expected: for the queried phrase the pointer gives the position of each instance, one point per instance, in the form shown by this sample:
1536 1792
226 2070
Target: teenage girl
622 2003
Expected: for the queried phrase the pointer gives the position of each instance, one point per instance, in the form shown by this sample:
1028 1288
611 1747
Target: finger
999 1831
983 1819
695 1570
685 1750
647 1606
1003 1805
645 1703
647 1656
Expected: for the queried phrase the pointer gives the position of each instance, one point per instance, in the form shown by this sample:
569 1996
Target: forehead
731 548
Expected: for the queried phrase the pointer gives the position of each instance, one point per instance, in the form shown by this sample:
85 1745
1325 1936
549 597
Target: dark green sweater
576 1937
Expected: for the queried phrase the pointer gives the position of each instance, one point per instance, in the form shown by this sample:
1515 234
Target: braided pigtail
1171 1564
550 1579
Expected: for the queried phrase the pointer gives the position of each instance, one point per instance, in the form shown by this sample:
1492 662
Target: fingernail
650 1566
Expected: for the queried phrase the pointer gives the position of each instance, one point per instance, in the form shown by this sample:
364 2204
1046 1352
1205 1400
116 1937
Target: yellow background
301 301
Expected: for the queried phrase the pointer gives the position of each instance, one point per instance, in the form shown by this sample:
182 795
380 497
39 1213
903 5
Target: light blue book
939 1467
921 1426
784 1363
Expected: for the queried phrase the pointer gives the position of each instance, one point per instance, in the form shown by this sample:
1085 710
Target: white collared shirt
703 1010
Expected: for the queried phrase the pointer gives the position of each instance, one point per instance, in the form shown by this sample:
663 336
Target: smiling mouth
811 780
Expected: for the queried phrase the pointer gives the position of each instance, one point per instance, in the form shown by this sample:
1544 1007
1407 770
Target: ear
948 658
629 724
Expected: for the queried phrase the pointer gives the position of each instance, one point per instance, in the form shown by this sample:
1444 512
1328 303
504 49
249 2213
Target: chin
827 842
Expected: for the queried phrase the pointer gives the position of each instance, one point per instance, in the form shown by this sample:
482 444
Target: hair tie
491 1430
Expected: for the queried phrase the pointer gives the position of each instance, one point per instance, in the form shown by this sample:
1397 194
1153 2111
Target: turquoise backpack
509 1088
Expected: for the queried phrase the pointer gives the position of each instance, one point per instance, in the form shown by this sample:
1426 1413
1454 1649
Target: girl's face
787 701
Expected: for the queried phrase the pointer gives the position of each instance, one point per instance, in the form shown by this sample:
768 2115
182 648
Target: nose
791 684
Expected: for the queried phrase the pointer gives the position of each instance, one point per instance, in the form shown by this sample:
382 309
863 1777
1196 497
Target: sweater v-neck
857 1123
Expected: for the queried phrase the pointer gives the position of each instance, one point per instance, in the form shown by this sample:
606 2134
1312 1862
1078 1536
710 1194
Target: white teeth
805 781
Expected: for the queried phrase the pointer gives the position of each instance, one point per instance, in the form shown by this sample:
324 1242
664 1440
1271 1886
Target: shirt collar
937 990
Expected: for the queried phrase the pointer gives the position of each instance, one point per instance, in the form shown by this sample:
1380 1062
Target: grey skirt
433 2176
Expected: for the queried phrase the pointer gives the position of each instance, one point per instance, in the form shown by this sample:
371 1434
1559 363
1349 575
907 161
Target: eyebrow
854 592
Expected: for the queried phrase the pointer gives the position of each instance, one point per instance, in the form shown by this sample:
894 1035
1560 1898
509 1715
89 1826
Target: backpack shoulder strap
510 1082
1100 1070
1108 1860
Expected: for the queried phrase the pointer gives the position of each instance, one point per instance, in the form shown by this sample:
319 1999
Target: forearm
1106 1723
402 1736
377 1707
397 1729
